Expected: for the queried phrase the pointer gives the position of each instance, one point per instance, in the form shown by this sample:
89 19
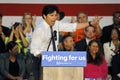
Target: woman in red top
96 64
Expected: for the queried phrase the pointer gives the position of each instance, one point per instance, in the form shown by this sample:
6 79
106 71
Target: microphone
55 35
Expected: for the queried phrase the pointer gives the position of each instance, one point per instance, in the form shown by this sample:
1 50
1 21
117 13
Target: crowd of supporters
102 46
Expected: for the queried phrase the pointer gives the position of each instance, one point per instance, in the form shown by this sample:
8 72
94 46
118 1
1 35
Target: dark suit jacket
106 32
6 31
115 67
81 45
2 45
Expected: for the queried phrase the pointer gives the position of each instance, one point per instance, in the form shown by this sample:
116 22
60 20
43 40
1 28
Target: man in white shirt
42 34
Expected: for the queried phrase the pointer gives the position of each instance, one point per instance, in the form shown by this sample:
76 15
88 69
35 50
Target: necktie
53 39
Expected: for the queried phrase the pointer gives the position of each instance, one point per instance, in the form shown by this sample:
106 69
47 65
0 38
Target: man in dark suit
4 32
107 29
89 35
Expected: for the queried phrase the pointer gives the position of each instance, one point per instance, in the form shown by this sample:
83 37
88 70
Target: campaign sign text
64 58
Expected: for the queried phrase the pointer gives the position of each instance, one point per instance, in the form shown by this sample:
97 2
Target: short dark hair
48 9
116 12
88 27
11 45
65 37
16 24
1 15
62 15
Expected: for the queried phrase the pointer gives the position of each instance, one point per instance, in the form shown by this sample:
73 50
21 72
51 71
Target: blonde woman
28 25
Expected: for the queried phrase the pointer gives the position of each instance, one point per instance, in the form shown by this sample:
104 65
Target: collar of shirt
46 24
87 40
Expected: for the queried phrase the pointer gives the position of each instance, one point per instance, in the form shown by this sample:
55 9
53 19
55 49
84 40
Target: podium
63 65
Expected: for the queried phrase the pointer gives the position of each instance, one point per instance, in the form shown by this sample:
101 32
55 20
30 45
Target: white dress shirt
108 52
42 35
88 40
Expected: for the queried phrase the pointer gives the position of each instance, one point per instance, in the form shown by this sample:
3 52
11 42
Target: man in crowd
82 17
89 35
107 29
67 43
4 31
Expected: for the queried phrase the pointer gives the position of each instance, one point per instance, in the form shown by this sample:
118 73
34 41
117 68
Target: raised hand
96 20
34 21
13 30
27 23
16 32
98 17
0 30
73 20
20 29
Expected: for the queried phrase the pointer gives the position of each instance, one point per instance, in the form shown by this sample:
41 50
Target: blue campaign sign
64 58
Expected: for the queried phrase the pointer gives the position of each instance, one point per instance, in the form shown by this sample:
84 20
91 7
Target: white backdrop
8 20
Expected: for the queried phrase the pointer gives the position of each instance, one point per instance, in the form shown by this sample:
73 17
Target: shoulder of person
116 56
20 56
39 26
3 55
58 22
106 43
109 26
4 27
81 41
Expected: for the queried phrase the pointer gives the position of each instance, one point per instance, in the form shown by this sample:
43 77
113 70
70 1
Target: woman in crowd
18 36
111 48
96 64
29 25
12 66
